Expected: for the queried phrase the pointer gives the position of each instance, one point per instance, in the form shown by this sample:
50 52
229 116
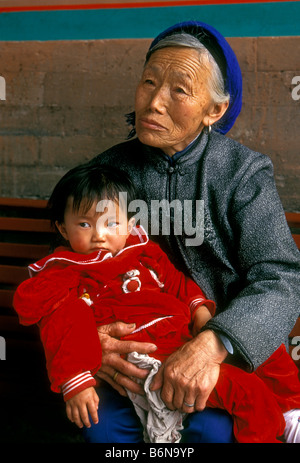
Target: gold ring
115 375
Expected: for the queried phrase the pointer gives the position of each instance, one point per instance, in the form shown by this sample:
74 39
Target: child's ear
131 224
62 229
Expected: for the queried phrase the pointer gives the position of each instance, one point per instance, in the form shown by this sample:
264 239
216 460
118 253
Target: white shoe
292 428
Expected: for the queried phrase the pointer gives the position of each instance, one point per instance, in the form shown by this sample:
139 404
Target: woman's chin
151 139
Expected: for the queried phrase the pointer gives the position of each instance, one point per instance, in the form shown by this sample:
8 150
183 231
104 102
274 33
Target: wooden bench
25 234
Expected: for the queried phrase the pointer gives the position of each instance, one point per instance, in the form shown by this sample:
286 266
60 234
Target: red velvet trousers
258 400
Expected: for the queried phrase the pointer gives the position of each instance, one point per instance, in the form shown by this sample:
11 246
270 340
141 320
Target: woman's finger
109 343
113 362
108 379
157 381
188 403
121 383
116 329
167 395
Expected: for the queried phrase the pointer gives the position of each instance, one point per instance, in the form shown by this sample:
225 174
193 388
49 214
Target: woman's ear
215 113
62 229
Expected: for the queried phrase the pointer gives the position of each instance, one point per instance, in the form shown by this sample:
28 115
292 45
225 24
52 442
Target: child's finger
69 413
96 400
93 409
77 418
85 417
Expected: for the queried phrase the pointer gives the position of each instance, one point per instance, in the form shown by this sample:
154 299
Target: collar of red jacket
137 238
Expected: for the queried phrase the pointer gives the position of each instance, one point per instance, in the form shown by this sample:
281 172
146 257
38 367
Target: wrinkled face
90 231
172 99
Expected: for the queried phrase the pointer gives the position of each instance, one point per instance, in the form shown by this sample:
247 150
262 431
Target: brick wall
270 118
65 102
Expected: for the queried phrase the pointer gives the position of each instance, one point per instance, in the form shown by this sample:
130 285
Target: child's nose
99 233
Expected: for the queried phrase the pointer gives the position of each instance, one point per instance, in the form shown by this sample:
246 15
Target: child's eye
112 224
84 225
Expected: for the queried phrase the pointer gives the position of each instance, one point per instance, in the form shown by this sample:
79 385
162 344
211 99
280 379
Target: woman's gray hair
216 82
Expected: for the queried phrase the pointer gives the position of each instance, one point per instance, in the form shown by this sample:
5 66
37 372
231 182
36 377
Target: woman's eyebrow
183 76
180 75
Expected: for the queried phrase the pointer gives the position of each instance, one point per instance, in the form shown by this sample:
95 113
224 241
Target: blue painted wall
232 20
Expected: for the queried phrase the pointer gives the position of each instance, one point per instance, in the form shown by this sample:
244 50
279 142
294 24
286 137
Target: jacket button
171 170
133 285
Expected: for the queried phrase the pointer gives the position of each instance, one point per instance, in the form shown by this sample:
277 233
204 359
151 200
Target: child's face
91 231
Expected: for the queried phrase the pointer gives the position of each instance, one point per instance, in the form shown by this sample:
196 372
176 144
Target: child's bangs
84 199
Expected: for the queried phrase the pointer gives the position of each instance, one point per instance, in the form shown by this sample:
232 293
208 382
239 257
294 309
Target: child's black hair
86 184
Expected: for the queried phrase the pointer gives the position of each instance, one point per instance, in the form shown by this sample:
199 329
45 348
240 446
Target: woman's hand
115 370
189 375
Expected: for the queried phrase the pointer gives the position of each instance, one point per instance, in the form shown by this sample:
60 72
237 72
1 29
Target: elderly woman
188 97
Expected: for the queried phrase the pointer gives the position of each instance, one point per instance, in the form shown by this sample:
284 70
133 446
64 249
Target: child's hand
201 317
82 404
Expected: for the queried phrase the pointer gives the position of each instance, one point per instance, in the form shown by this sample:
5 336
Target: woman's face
172 102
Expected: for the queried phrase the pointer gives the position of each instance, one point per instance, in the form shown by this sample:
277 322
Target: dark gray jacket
248 262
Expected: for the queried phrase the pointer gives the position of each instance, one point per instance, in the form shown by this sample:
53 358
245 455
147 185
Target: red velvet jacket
70 294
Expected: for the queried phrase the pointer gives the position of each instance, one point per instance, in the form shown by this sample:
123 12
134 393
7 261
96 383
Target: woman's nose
158 100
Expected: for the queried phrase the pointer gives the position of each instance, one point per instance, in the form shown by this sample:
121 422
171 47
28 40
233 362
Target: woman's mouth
151 124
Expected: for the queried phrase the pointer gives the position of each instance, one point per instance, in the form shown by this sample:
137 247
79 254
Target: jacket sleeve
259 318
178 284
67 328
40 295
72 346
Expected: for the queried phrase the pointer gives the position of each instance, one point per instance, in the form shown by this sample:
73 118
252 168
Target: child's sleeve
67 328
72 347
195 297
40 295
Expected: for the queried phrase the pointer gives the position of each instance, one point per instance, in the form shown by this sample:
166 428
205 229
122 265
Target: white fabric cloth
160 424
292 428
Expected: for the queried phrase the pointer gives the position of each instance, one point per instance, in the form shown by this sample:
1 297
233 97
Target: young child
109 270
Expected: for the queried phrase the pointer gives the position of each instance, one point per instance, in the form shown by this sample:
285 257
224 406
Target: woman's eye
149 82
180 90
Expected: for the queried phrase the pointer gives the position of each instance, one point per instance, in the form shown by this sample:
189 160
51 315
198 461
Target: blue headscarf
223 54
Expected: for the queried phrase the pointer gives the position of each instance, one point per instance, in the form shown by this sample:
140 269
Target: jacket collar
182 160
65 256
